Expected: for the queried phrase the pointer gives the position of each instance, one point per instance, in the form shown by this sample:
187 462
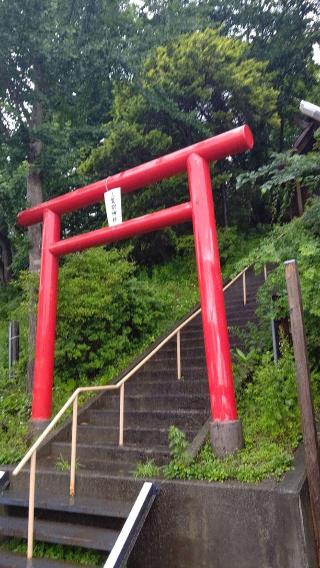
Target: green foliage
55 90
196 86
11 200
104 311
177 444
248 466
268 405
278 180
152 76
62 464
74 554
235 245
283 34
14 400
205 82
150 79
243 367
300 240
14 415
147 469
176 286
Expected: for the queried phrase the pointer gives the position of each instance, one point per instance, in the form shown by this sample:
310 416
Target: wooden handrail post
244 287
32 487
121 417
178 355
265 272
310 439
73 446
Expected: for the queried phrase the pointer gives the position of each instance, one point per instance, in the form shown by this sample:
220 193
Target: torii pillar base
226 437
35 428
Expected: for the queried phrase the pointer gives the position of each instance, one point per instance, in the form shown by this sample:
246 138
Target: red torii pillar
226 433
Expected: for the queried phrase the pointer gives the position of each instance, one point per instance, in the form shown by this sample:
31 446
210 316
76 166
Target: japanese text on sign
112 200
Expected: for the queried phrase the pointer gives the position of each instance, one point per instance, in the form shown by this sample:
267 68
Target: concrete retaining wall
196 524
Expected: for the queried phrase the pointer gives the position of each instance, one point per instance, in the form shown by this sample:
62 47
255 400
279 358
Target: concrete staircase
106 489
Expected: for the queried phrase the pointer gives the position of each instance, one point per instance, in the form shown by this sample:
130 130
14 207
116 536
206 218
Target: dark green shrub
268 405
14 414
104 312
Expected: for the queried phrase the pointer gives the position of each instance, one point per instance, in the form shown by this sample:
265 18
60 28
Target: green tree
104 313
197 86
161 21
283 182
283 33
57 60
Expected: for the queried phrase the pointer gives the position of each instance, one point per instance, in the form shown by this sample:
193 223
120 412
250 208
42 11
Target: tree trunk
299 198
225 207
281 133
34 196
6 257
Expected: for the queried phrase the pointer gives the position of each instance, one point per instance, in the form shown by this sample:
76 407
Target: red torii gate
225 426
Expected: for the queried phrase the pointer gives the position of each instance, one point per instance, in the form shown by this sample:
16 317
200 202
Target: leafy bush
268 406
104 311
74 554
249 465
279 179
147 469
235 245
177 444
14 414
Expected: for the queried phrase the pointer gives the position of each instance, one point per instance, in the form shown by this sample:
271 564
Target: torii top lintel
216 148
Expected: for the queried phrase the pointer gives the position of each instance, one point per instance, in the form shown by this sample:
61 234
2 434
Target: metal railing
73 400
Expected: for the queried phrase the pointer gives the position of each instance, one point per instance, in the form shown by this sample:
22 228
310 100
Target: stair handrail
73 399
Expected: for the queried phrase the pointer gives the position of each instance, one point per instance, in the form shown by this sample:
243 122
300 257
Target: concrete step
189 419
192 326
160 383
171 386
239 318
242 321
238 305
13 560
96 484
185 341
189 333
192 348
110 453
151 372
187 357
69 534
188 375
166 376
237 302
195 336
156 402
68 506
93 467
163 362
238 312
142 436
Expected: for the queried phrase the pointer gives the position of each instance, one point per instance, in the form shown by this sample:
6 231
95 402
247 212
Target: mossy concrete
229 525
